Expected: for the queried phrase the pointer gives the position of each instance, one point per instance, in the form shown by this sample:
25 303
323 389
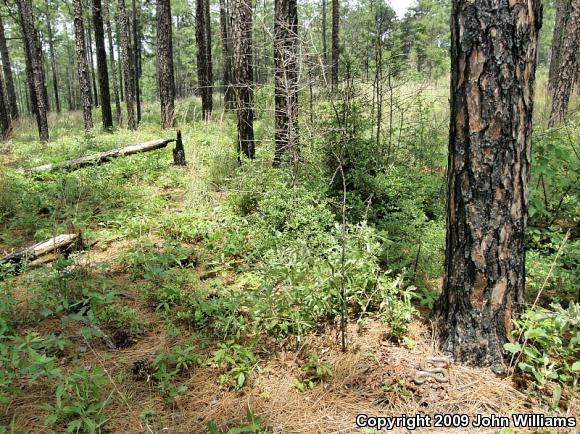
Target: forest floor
144 219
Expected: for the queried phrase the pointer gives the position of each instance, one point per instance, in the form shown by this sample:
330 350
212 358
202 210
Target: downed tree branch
102 157
40 249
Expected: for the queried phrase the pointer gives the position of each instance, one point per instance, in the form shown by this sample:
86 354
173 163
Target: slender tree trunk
119 61
34 61
243 74
137 58
43 71
128 69
52 59
324 45
8 76
286 79
567 59
226 43
204 64
493 59
102 65
165 63
82 67
335 43
4 112
107 18
92 70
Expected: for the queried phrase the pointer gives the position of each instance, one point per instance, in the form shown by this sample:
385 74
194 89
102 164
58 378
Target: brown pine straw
356 387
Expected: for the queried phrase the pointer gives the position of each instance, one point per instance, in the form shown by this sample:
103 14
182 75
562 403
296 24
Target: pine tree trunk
4 112
102 65
120 60
567 58
324 44
128 70
52 59
92 70
165 63
107 19
8 76
243 74
226 43
34 69
82 67
493 58
335 43
137 59
286 79
562 9
42 71
204 64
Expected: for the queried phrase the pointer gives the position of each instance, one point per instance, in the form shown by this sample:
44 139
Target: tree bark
286 79
565 59
493 59
204 64
34 68
128 69
562 9
243 75
179 151
165 63
226 43
40 249
92 70
137 58
82 67
335 43
4 112
52 59
102 65
107 19
324 44
103 157
8 76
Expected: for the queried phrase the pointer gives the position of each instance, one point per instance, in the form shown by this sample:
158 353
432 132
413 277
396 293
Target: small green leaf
512 348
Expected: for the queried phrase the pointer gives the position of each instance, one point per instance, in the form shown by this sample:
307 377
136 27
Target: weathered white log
102 157
40 249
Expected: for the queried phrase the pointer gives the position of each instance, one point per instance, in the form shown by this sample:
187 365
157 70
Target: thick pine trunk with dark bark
165 63
12 100
226 44
204 64
128 69
335 43
82 66
286 79
102 64
565 60
562 8
107 19
493 52
243 74
34 68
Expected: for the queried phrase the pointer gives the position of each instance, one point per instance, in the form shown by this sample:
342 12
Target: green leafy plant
79 401
253 425
315 371
237 360
547 346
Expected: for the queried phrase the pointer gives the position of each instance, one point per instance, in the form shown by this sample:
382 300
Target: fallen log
31 253
102 157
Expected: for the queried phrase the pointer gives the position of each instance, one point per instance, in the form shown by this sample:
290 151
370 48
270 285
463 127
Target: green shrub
548 344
